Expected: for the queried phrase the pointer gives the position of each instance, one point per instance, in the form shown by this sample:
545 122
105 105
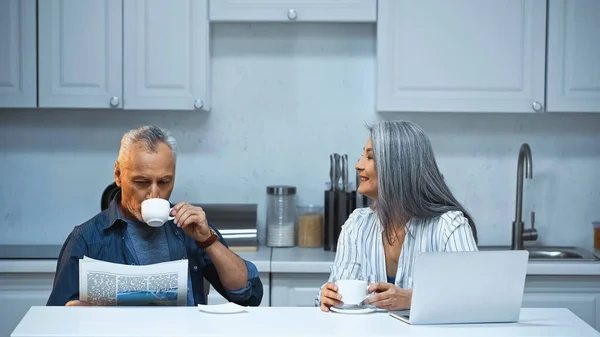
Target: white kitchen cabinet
18 54
573 82
294 10
215 298
166 55
461 56
578 293
18 292
80 53
296 290
585 305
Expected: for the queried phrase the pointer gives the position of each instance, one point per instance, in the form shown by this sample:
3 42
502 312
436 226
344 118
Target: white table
273 321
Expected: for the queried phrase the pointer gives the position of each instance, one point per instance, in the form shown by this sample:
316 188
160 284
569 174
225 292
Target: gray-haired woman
414 212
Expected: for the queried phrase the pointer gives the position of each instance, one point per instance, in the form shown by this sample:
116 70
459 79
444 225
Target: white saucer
355 310
225 308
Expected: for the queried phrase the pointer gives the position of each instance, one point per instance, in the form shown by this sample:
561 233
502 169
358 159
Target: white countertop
310 260
301 260
317 260
260 258
27 266
275 321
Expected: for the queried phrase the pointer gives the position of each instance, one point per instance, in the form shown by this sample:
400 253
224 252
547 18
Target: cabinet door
461 55
296 290
18 68
294 10
573 83
166 54
583 305
80 53
18 293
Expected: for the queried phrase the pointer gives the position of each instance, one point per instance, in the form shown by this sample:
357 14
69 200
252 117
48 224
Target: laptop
467 287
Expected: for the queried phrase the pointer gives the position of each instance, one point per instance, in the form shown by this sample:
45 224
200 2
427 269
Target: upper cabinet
461 56
574 56
133 54
80 53
18 69
294 10
488 56
166 54
515 56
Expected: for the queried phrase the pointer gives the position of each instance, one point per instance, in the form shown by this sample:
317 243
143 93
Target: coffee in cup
156 211
353 292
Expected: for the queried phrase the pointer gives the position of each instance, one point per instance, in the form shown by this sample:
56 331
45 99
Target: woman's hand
330 296
388 296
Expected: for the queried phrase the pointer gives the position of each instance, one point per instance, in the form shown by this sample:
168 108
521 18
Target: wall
284 97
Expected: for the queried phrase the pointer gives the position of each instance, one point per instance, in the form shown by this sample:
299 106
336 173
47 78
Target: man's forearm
230 267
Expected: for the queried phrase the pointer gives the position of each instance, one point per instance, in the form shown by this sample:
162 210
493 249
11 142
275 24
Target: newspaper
105 283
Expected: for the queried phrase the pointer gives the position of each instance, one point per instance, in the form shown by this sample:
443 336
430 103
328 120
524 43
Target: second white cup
155 211
353 291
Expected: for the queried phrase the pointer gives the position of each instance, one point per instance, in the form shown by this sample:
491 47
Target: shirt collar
112 212
408 227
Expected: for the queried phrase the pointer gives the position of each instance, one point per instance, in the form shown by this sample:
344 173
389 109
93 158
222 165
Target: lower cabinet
215 298
296 290
21 291
579 294
18 292
584 305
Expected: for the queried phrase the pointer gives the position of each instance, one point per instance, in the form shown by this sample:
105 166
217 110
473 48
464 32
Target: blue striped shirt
360 251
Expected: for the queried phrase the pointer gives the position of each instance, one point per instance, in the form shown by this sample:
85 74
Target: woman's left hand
388 296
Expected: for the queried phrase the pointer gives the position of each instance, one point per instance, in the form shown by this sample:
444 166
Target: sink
551 253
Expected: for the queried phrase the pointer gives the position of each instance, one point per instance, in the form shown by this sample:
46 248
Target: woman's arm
348 262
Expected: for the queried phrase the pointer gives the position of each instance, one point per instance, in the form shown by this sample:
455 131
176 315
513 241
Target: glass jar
310 226
281 216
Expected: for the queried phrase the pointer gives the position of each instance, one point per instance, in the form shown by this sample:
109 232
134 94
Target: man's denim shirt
103 238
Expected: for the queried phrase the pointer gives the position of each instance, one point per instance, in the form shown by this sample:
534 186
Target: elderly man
145 168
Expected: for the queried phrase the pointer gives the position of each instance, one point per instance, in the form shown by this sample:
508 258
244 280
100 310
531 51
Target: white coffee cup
353 291
155 211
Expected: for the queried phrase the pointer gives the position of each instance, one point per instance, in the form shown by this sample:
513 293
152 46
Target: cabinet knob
198 104
114 101
292 15
537 106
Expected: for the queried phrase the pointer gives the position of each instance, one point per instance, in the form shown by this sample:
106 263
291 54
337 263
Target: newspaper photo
105 283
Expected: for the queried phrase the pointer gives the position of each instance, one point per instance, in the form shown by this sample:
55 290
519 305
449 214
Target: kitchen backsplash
284 97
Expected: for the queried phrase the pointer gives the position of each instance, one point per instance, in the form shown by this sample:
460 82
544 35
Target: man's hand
388 296
192 220
77 303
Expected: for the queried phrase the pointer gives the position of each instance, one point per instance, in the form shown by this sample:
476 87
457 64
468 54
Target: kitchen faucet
519 233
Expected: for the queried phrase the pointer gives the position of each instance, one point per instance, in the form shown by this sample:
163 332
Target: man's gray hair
148 136
409 181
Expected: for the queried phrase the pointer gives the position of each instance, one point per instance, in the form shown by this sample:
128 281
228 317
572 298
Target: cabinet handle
537 106
114 101
292 15
198 104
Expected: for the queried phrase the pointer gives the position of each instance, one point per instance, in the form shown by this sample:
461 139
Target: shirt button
195 268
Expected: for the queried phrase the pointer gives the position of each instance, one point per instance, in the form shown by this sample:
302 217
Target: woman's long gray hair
409 181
